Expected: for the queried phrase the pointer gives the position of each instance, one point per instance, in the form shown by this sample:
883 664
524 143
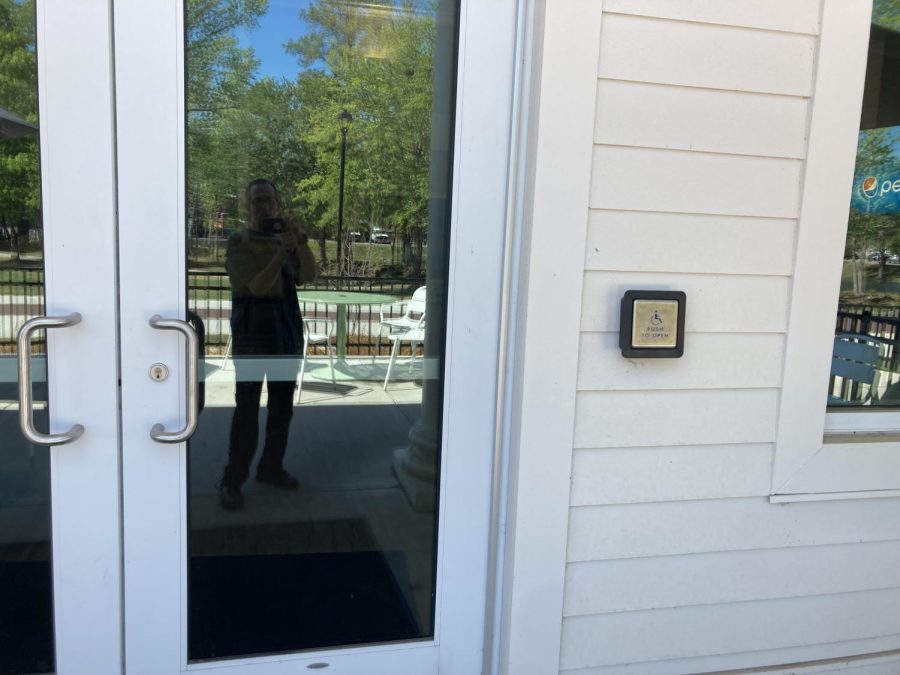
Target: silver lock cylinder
158 372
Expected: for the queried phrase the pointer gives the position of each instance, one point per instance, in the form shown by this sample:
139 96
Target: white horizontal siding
722 629
685 118
634 475
799 16
641 179
641 241
601 587
878 666
714 361
715 303
677 561
718 57
612 419
835 652
677 528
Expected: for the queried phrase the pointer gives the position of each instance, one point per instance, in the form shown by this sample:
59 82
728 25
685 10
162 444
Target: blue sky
280 24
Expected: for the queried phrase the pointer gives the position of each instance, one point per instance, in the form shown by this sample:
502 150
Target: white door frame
150 134
78 203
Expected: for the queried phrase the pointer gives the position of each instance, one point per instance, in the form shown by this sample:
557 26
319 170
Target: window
857 452
865 367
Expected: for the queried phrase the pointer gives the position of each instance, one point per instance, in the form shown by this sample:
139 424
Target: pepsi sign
877 193
876 185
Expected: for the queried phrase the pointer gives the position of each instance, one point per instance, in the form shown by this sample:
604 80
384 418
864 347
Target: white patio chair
316 331
412 314
224 362
414 336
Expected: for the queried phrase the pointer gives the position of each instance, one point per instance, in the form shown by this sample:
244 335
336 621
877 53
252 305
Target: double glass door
250 216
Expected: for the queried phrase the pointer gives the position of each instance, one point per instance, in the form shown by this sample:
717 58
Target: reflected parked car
380 236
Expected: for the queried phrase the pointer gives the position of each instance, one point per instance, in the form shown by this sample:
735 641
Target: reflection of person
265 262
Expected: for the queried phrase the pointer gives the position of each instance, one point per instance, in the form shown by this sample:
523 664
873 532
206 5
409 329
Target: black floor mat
26 617
256 604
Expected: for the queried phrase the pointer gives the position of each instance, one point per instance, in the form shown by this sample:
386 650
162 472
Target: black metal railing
878 322
209 296
21 299
881 323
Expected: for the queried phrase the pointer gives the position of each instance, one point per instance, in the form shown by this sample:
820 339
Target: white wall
676 560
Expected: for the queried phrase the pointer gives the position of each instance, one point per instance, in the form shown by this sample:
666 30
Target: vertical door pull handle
26 407
158 433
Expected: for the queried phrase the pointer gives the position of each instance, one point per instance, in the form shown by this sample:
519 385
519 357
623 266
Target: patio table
343 299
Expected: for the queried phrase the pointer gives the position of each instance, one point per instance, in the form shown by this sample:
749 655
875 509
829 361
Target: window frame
820 454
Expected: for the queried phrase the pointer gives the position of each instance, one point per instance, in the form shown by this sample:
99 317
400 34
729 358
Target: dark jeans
245 425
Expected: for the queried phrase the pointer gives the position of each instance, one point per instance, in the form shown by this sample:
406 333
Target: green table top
345 297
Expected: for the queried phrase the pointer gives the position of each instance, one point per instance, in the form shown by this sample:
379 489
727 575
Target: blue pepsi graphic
876 192
876 183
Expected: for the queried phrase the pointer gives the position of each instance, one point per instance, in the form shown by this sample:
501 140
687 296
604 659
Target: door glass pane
317 183
865 368
26 609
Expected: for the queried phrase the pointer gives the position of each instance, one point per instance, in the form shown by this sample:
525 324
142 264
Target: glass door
311 222
26 577
60 595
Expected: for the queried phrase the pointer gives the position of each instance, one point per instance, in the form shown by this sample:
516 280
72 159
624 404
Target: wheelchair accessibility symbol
655 318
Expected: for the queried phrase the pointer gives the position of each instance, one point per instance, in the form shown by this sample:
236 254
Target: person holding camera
265 263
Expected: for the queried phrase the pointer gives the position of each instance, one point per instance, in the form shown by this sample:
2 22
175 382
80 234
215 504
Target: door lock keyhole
158 372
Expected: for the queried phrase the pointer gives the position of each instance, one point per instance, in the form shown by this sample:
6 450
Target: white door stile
78 204
483 132
150 161
150 112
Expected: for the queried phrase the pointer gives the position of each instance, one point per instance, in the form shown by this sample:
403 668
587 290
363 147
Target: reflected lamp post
344 119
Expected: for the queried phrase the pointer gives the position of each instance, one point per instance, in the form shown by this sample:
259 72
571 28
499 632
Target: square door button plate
652 324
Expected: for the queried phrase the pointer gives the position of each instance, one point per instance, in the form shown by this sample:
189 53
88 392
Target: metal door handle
158 433
26 409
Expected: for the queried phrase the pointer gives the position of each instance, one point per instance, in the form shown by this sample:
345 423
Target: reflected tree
886 13
19 171
219 76
373 59
870 232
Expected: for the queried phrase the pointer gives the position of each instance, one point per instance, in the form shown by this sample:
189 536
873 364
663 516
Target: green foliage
867 232
886 13
219 77
19 169
372 59
219 70
375 62
874 150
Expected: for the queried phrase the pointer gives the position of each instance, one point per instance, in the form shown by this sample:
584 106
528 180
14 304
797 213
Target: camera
272 226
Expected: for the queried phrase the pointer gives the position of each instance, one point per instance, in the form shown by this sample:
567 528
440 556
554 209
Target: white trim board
834 122
555 231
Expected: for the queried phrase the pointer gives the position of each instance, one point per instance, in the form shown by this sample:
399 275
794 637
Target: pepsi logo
870 186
